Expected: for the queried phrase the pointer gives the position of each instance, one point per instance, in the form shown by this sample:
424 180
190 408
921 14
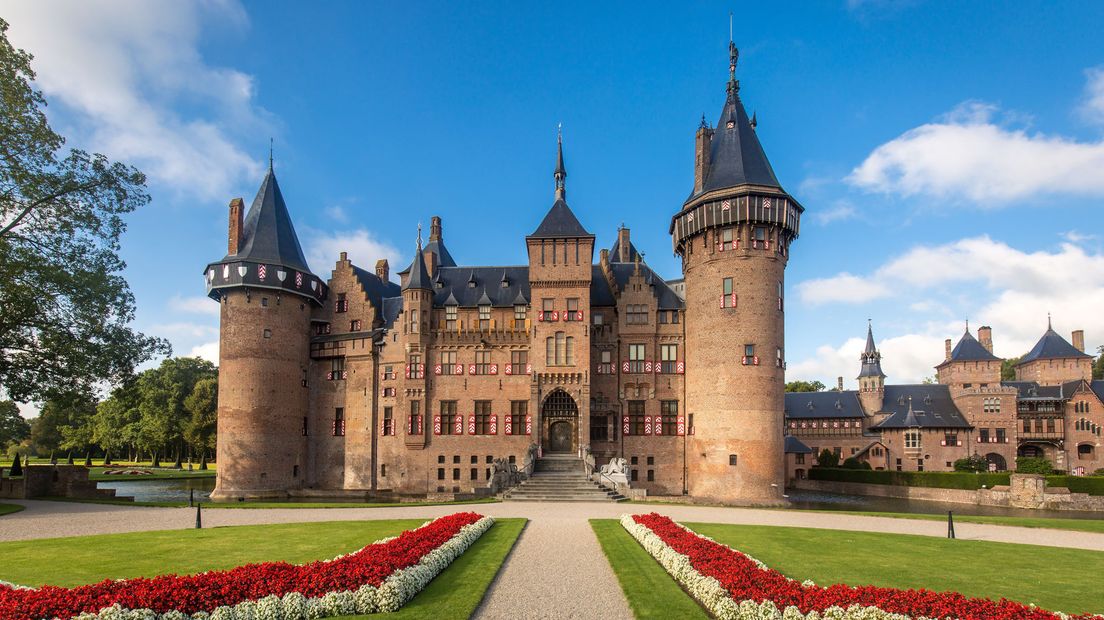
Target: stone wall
53 481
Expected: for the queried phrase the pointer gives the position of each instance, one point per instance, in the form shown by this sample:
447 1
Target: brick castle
358 383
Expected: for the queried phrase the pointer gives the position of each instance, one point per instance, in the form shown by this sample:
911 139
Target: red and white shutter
658 425
509 369
421 370
508 425
458 370
555 315
494 425
648 366
625 367
437 424
494 369
436 369
579 315
625 428
408 371
680 425
471 424
528 424
528 369
471 369
647 425
680 367
540 315
458 424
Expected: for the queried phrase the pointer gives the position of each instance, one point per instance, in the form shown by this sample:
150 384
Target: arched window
1085 451
570 353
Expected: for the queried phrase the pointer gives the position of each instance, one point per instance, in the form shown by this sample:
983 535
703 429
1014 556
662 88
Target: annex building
353 381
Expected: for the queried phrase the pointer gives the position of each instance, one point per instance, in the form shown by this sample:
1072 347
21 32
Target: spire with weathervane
561 172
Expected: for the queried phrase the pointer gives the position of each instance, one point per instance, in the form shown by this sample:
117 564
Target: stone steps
560 478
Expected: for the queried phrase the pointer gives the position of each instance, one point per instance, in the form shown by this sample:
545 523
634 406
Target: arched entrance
996 462
560 417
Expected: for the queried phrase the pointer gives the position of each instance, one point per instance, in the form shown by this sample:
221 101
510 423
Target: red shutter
508 425
436 369
509 369
528 369
408 371
625 366
648 366
528 424
437 424
579 315
471 424
459 424
471 369
658 428
494 425
421 370
680 367
680 426
458 370
647 425
540 315
494 369
625 428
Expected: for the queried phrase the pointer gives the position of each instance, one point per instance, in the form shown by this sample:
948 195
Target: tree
115 423
60 421
65 307
854 463
929 380
804 386
827 458
1008 368
974 462
1098 365
13 428
202 407
16 468
162 392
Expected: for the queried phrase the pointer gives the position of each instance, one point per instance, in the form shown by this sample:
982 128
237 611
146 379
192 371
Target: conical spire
561 172
870 348
268 235
560 222
419 275
871 358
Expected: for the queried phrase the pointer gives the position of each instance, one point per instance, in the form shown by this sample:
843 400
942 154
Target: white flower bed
711 594
393 593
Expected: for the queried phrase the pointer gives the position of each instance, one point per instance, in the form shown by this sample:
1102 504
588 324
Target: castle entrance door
560 417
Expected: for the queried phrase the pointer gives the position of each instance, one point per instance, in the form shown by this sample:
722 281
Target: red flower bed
744 580
204 592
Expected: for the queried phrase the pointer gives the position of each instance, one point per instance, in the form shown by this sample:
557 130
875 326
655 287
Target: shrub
975 462
854 463
827 458
1078 484
16 468
1033 465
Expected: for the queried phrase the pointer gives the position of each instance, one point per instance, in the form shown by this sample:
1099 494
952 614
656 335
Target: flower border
395 590
815 602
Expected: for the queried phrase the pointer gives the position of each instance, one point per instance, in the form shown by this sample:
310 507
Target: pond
172 490
815 500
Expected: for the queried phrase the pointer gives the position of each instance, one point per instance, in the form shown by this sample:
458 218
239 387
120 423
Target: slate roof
615 252
665 296
871 359
419 275
969 349
268 235
392 306
816 405
1051 346
376 289
1098 389
600 292
1031 390
931 407
794 445
454 288
559 222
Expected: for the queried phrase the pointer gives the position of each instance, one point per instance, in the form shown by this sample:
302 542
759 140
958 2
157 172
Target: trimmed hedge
1093 485
933 479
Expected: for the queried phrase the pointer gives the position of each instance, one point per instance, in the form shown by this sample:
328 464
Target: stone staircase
560 478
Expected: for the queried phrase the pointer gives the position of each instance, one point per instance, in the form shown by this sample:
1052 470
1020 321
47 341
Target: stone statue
504 476
616 472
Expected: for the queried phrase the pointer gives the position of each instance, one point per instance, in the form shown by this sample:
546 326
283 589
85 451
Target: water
816 500
173 490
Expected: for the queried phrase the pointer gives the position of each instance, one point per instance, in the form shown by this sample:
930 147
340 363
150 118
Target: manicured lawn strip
458 591
89 559
651 592
1076 525
1052 578
7 509
247 505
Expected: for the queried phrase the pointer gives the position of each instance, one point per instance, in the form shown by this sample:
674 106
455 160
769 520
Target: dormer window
485 316
450 317
730 125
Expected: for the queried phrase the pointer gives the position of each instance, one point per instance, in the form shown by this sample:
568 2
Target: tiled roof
810 405
467 287
923 406
268 236
559 222
1052 346
600 292
969 349
793 445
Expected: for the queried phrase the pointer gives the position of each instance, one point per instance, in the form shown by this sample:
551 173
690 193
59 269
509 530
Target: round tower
871 378
733 235
267 294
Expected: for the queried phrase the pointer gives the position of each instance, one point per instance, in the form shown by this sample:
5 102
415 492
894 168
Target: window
605 365
305 429
342 304
728 294
759 240
267 333
337 368
599 318
749 355
991 405
448 362
416 368
482 417
912 440
983 435
518 361
321 329
780 290
389 392
354 326
799 459
448 417
482 362
1050 425
388 421
674 317
414 424
726 240
572 309
264 302
484 317
636 358
415 320
455 473
668 354
599 428
560 350
518 411
450 317
636 417
637 314
732 460
779 360
548 306
1001 437
339 422
950 439
388 372
520 312
668 410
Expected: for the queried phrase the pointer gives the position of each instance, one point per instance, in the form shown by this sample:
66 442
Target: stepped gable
815 405
920 406
665 296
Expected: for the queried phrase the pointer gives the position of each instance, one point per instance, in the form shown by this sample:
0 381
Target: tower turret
871 378
266 292
733 234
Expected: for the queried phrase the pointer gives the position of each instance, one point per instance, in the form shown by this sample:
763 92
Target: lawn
7 509
1077 525
88 559
261 504
1025 573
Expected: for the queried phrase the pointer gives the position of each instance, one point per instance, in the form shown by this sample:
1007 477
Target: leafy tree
13 428
828 458
1033 465
1008 368
804 386
974 462
202 406
162 392
854 463
115 423
65 307
61 415
1098 365
929 380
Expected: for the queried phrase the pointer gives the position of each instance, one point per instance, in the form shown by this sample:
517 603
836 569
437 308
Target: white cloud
194 305
337 213
125 69
183 330
844 288
968 156
1093 105
907 358
1076 236
840 210
208 351
364 249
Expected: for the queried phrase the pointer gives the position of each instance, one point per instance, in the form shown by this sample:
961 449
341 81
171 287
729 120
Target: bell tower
733 234
871 378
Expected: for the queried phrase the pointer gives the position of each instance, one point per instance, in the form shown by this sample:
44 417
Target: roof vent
471 280
927 399
839 405
810 405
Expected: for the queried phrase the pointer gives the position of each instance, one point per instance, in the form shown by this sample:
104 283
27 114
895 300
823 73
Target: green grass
249 505
7 509
88 559
1053 578
651 592
1076 525
162 473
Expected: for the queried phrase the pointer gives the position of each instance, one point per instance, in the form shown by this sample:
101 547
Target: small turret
871 378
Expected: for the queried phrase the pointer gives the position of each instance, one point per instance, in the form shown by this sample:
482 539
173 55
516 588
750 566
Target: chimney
237 214
702 146
430 261
1079 340
383 269
985 337
435 228
623 244
947 348
839 384
603 259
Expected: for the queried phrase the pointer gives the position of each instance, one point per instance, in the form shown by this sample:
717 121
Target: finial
559 133
703 125
1048 321
270 154
754 120
419 236
967 325
730 27
733 58
561 172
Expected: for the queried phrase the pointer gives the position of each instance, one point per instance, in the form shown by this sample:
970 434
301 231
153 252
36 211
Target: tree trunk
88 459
156 459
107 457
203 461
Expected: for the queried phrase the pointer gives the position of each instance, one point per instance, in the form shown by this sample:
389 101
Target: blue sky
950 156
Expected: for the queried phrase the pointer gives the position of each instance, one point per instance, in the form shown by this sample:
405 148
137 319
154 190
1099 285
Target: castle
357 383
1052 409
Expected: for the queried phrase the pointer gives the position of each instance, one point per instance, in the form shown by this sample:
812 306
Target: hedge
1093 485
933 479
